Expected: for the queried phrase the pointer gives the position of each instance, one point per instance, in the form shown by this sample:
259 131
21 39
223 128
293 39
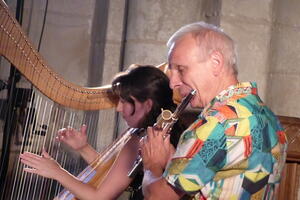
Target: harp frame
18 49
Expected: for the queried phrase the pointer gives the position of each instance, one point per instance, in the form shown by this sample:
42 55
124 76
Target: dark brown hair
142 83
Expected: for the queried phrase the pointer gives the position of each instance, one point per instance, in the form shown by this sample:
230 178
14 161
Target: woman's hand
78 141
156 150
43 165
73 138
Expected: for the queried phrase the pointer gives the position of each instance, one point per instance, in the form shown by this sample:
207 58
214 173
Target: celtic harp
31 116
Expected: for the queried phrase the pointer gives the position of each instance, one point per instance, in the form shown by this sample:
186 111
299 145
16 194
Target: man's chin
195 104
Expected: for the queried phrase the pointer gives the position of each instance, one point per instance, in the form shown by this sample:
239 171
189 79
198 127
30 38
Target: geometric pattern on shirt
192 181
253 133
185 149
230 171
177 165
213 153
235 150
253 187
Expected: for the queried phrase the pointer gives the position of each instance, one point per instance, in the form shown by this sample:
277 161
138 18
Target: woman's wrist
61 173
88 153
83 149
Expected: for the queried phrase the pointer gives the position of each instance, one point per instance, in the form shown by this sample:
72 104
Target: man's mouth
184 93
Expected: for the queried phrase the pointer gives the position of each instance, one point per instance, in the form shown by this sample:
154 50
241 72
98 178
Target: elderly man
236 148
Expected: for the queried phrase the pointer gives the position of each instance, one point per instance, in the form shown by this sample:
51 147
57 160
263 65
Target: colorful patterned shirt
236 149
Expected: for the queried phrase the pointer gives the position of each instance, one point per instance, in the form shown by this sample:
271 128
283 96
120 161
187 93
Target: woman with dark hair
143 91
145 85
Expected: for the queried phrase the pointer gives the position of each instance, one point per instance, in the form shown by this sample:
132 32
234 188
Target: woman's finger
29 162
83 129
30 170
61 134
45 154
31 156
61 131
61 138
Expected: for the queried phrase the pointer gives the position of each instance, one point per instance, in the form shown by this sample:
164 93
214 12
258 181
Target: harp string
18 189
44 144
36 149
41 114
41 111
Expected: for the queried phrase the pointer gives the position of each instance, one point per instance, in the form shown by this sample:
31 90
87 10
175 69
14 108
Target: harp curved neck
19 51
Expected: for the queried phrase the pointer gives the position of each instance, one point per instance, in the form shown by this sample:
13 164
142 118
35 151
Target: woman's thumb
45 154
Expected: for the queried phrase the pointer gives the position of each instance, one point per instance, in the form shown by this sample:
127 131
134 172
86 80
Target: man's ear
148 104
217 61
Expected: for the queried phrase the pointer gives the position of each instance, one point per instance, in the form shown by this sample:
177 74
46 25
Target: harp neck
19 51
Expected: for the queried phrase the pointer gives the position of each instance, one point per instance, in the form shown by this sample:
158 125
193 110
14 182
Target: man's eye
180 69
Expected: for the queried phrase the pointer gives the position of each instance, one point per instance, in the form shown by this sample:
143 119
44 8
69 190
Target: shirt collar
238 89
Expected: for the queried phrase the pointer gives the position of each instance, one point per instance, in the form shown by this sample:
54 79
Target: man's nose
175 80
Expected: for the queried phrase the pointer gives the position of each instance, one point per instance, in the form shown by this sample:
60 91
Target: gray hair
209 38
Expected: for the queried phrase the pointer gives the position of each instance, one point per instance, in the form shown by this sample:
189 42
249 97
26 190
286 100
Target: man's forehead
175 66
181 42
182 48
178 59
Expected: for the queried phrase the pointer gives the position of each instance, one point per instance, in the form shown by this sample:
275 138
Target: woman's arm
111 187
77 140
117 179
46 166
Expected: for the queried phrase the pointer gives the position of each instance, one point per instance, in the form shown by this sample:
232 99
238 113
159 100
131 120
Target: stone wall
284 73
250 27
267 34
